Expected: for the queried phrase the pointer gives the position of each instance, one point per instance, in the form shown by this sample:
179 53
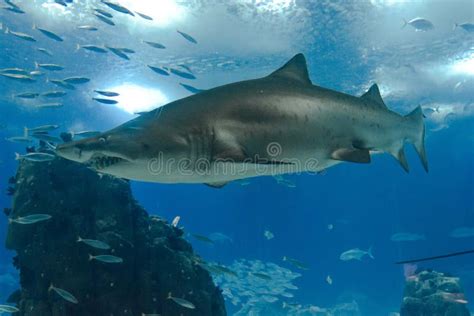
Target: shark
281 123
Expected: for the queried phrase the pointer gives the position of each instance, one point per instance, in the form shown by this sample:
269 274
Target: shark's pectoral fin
351 155
217 185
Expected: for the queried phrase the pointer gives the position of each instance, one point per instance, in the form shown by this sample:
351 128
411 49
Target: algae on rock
433 293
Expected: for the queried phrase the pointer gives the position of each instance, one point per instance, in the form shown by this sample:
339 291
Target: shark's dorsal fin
373 95
294 69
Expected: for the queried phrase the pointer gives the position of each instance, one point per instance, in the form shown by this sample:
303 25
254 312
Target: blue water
348 46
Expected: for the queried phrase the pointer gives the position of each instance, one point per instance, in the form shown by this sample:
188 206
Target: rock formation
156 259
431 293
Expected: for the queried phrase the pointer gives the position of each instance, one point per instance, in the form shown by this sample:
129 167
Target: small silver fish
61 83
107 93
329 280
355 254
155 44
105 101
262 276
175 221
16 71
44 51
27 95
76 80
52 67
118 8
268 235
182 74
30 219
159 70
118 52
468 27
92 48
20 35
49 34
64 294
94 243
8 309
144 16
104 19
23 78
87 28
11 4
187 37
181 301
35 157
191 88
42 128
298 264
14 9
419 24
19 139
53 94
203 238
104 13
106 258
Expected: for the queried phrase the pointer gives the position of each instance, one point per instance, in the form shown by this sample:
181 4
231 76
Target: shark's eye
102 140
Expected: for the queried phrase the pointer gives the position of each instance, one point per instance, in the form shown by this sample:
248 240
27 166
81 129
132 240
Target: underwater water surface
275 241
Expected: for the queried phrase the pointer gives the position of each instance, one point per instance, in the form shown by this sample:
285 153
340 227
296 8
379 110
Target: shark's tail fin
415 119
370 252
404 23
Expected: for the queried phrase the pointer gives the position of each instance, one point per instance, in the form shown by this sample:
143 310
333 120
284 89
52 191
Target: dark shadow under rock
156 259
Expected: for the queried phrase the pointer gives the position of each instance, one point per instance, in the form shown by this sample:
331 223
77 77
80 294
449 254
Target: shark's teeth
102 162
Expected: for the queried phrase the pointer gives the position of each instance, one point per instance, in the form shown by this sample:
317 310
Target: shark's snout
73 151
96 152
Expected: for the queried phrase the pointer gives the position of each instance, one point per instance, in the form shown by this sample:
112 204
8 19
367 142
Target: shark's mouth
99 161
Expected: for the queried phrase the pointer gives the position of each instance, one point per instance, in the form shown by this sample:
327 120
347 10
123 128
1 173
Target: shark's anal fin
373 96
351 155
217 185
294 69
399 154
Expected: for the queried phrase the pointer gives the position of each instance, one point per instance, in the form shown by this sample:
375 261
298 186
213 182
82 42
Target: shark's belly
216 172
